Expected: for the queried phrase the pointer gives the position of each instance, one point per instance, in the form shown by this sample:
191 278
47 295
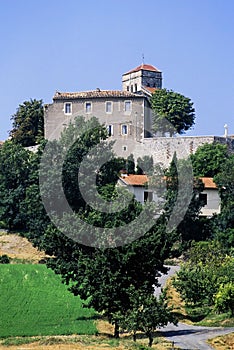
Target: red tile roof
144 67
94 94
150 89
135 180
141 180
208 182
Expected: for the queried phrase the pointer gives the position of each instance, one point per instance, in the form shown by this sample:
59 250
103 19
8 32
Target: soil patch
17 247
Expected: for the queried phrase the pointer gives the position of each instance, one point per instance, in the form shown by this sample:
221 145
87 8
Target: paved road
192 337
187 336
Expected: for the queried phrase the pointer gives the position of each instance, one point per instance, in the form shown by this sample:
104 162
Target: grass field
33 301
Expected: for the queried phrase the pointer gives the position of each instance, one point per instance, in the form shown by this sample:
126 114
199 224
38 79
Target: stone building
126 113
127 116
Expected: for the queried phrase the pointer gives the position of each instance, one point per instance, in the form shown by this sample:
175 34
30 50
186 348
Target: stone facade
127 116
144 76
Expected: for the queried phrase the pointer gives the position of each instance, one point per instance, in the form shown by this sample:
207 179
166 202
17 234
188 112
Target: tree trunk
116 331
150 338
134 336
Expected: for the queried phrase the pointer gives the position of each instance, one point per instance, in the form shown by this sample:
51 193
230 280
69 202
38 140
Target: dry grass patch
224 342
17 247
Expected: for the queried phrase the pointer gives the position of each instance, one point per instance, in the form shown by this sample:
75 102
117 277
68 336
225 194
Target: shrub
4 259
224 299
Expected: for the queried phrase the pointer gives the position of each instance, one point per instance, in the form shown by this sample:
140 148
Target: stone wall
162 149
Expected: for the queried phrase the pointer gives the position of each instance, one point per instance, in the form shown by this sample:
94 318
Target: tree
102 269
209 159
130 164
172 112
147 313
200 277
223 223
145 165
15 170
28 123
189 227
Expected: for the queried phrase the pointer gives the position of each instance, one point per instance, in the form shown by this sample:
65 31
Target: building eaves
94 94
144 67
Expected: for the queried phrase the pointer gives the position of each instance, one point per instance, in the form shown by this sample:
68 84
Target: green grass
34 302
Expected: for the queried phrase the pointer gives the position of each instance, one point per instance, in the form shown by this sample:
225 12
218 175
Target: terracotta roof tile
140 180
94 94
135 180
150 89
208 182
143 67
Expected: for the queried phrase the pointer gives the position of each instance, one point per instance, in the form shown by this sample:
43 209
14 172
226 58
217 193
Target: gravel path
187 336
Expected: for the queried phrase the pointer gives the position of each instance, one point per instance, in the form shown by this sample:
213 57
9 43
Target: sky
74 45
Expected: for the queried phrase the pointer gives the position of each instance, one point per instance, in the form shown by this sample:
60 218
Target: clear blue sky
75 45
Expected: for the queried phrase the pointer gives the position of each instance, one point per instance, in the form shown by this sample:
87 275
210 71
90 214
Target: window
110 130
125 148
108 107
127 88
131 88
67 108
148 196
135 87
124 129
88 107
127 106
203 198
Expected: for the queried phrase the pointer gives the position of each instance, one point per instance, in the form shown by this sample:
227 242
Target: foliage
28 123
4 259
145 165
182 199
224 299
147 313
15 170
130 164
34 302
172 112
200 277
209 159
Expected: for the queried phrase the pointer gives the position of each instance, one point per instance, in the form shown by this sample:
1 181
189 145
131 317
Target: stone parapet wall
162 149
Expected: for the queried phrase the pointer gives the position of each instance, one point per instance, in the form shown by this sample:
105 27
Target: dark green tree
15 170
145 165
100 268
172 112
147 313
183 188
28 123
209 159
224 222
130 164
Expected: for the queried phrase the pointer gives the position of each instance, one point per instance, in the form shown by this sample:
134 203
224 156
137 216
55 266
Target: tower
143 77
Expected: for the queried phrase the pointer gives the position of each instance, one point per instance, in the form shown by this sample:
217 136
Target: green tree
145 165
190 227
207 267
100 275
28 123
147 313
209 159
15 170
174 108
130 164
223 224
224 299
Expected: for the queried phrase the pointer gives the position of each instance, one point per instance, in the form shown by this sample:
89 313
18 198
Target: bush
224 299
4 259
